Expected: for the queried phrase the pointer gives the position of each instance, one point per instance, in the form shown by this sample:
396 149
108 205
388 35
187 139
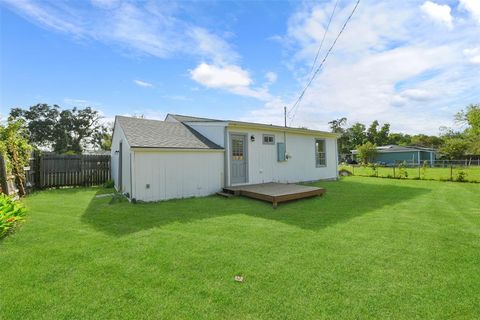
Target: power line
324 36
295 105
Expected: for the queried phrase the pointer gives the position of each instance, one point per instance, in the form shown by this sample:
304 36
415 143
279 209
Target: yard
370 248
470 173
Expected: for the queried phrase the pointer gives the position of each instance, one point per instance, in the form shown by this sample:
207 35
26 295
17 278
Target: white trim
174 150
272 128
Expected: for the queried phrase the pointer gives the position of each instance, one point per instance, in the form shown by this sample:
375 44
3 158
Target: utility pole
285 115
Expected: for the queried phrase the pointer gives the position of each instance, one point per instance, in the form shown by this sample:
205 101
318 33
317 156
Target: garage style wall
163 175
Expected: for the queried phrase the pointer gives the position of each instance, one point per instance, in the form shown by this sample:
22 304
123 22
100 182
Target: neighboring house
188 156
392 154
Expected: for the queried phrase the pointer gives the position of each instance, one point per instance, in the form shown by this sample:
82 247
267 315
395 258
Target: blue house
394 154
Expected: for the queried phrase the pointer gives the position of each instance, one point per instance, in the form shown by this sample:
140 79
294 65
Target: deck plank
276 192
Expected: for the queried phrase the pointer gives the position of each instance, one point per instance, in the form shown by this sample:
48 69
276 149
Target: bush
11 212
402 170
109 184
461 176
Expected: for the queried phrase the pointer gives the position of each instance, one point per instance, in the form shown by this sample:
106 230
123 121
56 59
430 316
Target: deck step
231 191
225 194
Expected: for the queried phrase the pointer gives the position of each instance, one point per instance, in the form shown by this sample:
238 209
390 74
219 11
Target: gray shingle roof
143 133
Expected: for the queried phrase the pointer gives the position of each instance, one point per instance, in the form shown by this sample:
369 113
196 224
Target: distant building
392 154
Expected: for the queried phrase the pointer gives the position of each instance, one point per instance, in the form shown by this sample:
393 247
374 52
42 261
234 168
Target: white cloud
439 13
149 28
473 7
105 4
81 103
473 55
52 18
271 77
220 77
142 83
386 66
212 46
229 77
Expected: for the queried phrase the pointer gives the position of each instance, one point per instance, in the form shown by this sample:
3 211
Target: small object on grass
238 278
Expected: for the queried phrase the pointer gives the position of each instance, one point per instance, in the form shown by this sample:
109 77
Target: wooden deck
275 192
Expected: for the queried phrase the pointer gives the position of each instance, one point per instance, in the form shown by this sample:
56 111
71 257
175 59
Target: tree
103 138
471 117
366 152
399 139
41 121
372 131
68 130
382 135
423 140
356 135
336 126
378 137
454 148
14 144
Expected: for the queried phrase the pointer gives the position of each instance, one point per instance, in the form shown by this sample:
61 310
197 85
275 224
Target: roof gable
144 133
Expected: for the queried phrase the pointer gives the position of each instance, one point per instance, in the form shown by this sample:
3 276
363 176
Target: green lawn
472 174
370 248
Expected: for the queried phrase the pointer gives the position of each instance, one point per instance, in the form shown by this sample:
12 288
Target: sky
413 64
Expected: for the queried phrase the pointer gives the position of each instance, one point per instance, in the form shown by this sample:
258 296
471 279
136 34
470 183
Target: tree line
79 129
452 144
66 131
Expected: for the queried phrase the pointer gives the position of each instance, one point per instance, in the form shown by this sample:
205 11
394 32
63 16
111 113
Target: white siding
214 131
262 158
119 136
177 174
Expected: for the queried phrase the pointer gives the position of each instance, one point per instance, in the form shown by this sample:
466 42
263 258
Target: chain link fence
441 170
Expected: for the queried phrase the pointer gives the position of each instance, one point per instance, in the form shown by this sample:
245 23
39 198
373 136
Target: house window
237 149
268 139
320 155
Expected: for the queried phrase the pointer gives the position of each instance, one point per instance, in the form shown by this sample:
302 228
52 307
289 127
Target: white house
187 156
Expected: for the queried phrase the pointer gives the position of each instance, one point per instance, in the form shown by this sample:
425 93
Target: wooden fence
53 170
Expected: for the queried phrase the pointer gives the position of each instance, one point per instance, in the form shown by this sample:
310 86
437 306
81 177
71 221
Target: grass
370 248
472 173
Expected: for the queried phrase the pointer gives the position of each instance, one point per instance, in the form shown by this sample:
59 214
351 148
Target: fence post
451 172
3 176
394 171
353 170
419 175
36 170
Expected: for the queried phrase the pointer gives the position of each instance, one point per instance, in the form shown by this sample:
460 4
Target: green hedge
11 212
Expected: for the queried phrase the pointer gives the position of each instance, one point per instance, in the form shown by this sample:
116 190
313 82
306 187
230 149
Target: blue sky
410 63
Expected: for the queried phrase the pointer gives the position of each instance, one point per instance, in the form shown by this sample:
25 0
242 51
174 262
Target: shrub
344 172
374 168
367 152
424 169
461 175
11 212
109 184
402 170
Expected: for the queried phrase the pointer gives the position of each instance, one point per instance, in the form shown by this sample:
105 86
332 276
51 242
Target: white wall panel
262 158
118 135
214 131
177 174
